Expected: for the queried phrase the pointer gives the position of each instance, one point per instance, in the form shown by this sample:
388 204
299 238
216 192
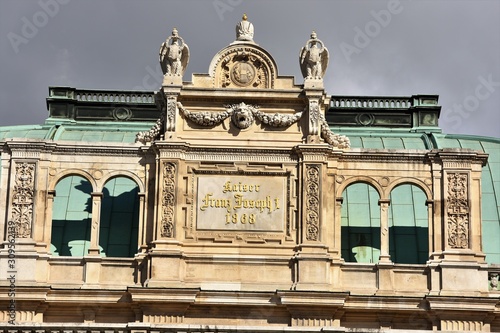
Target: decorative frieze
242 116
458 211
312 198
23 199
168 200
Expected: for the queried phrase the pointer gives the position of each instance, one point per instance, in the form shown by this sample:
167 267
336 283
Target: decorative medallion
384 181
243 74
243 66
365 119
122 113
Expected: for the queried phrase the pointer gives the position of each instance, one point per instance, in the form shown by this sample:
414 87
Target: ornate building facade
243 202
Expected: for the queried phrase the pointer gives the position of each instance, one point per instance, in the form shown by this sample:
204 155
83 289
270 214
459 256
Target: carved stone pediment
243 65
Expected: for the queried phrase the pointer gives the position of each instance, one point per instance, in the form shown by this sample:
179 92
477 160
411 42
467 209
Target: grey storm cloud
449 48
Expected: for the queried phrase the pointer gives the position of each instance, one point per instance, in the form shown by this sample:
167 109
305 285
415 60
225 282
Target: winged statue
313 58
174 55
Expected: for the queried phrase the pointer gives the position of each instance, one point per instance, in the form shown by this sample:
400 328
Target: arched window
408 225
71 217
119 225
360 231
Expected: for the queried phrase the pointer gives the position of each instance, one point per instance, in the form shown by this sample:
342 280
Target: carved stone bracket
23 199
168 200
312 201
458 211
314 113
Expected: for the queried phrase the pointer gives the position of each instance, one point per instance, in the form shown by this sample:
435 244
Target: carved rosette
23 198
458 211
168 200
312 202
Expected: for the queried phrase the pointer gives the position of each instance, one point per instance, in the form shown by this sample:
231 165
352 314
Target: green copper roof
81 131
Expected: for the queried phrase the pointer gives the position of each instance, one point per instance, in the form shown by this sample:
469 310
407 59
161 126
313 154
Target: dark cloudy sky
449 48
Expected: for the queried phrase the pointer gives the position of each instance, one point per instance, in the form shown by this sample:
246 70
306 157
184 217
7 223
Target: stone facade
239 191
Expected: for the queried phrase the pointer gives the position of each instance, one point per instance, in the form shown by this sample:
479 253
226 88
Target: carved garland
242 116
22 199
458 211
336 140
168 200
153 133
312 202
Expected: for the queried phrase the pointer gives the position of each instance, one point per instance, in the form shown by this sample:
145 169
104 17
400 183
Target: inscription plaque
253 203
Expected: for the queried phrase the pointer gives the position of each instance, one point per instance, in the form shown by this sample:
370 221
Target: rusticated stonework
168 200
312 202
458 211
22 199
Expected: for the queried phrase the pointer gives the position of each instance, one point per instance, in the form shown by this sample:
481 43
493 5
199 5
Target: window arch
360 224
71 217
408 225
119 225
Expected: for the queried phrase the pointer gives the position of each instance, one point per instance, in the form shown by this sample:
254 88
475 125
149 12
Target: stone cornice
230 153
440 156
34 149
458 156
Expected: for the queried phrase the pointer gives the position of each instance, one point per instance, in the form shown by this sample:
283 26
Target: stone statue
174 55
313 58
244 29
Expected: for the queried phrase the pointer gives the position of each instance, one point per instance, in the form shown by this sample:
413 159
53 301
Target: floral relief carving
458 211
22 199
171 109
312 202
168 200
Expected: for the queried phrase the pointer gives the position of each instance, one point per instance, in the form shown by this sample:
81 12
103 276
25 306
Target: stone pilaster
96 221
457 263
315 95
312 259
166 101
